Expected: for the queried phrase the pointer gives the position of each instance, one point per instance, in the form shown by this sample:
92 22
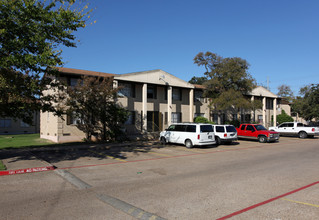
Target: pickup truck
256 131
295 129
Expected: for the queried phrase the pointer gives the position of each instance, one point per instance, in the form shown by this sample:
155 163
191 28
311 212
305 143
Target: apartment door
154 121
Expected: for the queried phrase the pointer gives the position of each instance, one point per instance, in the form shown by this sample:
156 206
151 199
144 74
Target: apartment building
154 99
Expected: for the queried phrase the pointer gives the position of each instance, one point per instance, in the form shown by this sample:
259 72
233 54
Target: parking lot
243 180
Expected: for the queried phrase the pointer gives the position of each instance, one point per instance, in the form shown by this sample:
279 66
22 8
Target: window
235 117
198 96
284 125
151 91
260 119
250 128
131 118
220 129
74 81
24 125
180 127
260 128
206 128
176 117
300 125
269 103
242 127
290 125
127 90
215 118
177 94
5 123
73 119
230 129
191 128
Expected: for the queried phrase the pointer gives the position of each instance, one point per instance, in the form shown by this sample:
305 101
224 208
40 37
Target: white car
225 133
189 134
295 129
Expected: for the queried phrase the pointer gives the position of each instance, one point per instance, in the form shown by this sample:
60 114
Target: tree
228 81
93 102
31 32
285 91
307 105
198 80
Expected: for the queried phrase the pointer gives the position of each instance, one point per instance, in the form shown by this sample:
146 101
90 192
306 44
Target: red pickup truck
256 131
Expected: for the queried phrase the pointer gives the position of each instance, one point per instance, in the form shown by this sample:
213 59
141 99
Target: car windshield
260 128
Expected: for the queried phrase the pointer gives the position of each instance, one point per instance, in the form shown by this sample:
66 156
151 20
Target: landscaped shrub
201 119
283 117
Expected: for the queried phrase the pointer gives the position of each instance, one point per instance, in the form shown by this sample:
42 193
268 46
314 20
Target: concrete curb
27 170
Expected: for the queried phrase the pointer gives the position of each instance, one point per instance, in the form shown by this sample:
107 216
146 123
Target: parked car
296 129
256 131
225 133
189 134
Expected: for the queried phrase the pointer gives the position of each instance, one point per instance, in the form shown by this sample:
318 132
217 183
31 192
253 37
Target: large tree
285 91
307 105
93 102
31 35
228 81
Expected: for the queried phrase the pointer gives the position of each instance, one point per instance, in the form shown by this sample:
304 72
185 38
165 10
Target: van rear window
220 129
206 128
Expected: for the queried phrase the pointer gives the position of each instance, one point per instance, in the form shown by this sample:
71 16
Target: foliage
307 105
31 32
200 119
93 101
228 80
236 123
283 117
285 91
198 80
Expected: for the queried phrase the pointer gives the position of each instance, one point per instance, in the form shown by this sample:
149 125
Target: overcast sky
278 38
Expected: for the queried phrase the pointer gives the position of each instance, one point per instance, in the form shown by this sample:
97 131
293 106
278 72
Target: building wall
12 126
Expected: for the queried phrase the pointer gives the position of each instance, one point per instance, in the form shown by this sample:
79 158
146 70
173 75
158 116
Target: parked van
225 134
189 134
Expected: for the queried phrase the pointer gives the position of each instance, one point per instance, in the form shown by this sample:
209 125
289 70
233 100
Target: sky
278 38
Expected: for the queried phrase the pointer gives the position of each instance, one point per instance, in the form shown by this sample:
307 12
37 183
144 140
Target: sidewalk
18 159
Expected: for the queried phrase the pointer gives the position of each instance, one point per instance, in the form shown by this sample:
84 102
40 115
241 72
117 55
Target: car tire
262 139
188 143
302 135
163 141
218 141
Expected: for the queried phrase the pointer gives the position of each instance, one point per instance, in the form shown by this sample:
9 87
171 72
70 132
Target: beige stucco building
17 126
155 99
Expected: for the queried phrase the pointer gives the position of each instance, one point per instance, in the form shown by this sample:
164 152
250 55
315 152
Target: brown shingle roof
83 72
197 86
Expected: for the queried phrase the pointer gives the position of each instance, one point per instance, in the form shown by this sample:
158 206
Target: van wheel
262 139
188 144
163 141
302 134
218 141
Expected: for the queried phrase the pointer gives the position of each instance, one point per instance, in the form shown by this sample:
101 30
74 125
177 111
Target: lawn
22 140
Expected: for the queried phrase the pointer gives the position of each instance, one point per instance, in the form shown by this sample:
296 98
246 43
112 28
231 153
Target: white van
189 134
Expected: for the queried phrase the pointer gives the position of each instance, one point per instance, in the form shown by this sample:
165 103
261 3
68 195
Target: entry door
154 121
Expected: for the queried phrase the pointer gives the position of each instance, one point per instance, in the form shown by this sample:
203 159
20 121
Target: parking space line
304 203
266 202
106 155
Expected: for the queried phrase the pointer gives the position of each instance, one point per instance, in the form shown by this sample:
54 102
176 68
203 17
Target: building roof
83 72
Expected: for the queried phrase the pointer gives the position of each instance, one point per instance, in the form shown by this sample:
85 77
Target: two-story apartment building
155 99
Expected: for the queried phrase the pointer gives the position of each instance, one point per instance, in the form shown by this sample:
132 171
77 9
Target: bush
283 117
201 119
